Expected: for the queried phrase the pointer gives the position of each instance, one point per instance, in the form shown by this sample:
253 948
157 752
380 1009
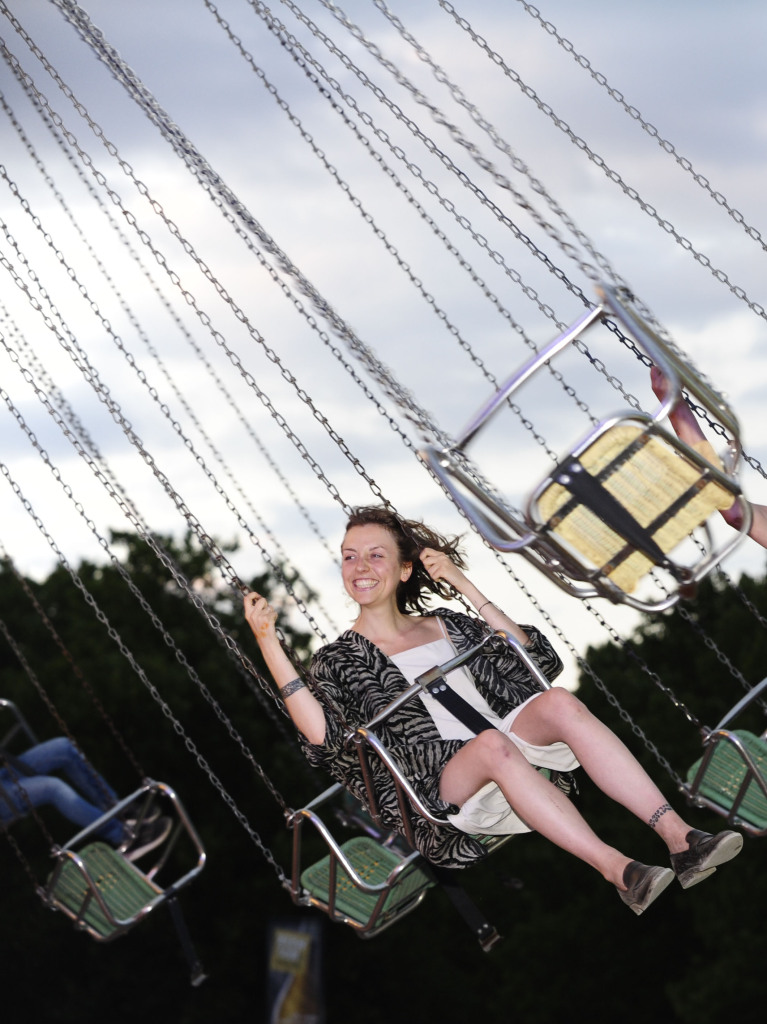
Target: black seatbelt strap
457 706
589 490
435 684
485 933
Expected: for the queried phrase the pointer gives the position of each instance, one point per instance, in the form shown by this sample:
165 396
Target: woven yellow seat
628 496
725 774
126 892
373 864
663 491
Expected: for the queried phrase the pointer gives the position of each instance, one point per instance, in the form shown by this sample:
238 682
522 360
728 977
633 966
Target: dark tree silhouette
571 948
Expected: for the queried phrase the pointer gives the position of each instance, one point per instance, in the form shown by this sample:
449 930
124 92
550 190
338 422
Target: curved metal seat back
731 776
622 501
106 894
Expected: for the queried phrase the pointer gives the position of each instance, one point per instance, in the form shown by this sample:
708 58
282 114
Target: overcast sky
208 353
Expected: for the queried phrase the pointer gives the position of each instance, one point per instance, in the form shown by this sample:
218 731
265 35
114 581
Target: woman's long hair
411 537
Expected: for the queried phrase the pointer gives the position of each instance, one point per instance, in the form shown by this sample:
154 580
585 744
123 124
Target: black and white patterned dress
354 680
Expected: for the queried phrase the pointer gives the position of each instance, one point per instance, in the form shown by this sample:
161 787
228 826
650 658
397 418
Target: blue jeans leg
82 802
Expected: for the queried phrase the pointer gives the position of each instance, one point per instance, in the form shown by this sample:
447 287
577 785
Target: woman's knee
50 755
558 702
491 744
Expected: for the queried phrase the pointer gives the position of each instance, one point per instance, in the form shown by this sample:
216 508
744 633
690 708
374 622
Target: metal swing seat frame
19 727
731 776
622 500
371 881
96 885
103 892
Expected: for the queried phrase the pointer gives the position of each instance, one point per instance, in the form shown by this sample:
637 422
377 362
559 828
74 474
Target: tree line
570 946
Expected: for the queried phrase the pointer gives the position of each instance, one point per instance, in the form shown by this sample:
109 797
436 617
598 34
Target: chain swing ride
102 261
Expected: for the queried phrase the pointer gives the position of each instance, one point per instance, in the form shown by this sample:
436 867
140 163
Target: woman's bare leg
559 715
492 756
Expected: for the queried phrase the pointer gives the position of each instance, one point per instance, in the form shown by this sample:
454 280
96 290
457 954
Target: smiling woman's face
371 566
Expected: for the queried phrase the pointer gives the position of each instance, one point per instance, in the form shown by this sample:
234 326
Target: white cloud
695 79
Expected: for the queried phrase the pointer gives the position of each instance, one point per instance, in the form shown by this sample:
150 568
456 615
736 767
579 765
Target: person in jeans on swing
31 780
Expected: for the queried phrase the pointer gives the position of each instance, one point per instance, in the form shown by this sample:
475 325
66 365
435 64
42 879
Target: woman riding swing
486 783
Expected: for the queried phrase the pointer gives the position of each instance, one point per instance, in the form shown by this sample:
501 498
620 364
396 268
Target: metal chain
77 671
152 689
146 607
189 298
102 393
5 829
125 241
601 163
233 481
212 183
85 367
443 158
227 641
458 137
100 134
155 206
87 449
632 653
296 48
719 430
305 61
746 600
712 645
378 231
63 727
652 131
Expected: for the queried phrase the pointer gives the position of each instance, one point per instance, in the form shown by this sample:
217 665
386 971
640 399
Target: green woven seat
124 889
725 774
374 864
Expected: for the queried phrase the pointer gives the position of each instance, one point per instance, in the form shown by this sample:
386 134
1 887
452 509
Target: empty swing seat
384 884
104 892
364 882
626 499
731 776
728 781
101 891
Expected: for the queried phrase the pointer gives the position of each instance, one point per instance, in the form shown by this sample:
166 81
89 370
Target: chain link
442 157
598 363
652 131
176 281
214 377
296 48
213 184
130 513
125 575
457 135
601 163
76 670
233 481
381 374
